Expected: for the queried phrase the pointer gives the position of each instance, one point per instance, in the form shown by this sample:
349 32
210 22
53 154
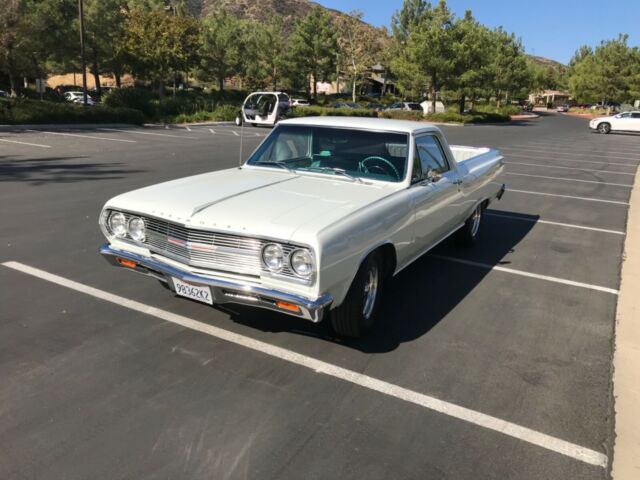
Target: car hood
255 201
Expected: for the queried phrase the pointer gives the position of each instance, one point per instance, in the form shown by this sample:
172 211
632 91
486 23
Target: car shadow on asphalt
420 296
59 170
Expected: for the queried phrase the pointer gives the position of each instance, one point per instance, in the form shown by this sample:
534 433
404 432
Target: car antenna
241 140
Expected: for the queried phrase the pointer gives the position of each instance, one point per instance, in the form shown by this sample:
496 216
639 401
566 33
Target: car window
625 115
334 151
431 155
635 115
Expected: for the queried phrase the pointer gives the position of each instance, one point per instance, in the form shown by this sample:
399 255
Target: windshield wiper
340 171
280 164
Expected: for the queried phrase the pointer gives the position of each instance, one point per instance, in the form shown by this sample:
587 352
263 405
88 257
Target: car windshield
414 106
351 153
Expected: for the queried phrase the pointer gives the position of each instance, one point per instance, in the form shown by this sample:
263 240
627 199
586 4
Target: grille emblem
203 247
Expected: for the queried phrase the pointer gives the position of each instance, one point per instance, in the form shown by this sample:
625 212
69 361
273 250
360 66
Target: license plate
195 292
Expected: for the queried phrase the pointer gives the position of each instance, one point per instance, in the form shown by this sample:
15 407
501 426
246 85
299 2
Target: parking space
493 362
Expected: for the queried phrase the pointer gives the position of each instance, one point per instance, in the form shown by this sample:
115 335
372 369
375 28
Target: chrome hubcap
370 292
475 221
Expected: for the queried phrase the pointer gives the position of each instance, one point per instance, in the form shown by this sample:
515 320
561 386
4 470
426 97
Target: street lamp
83 61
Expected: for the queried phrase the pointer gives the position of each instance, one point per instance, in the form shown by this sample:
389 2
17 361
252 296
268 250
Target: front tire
357 313
239 120
604 128
467 236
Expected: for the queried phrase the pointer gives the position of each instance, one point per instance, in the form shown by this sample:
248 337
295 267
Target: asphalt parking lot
489 363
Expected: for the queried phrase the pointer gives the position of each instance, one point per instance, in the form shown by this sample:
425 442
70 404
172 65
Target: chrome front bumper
222 290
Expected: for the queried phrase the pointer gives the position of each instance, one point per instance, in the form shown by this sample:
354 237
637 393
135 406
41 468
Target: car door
621 121
635 121
436 193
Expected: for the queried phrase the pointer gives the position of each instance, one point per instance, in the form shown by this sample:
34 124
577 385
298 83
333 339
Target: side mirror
432 175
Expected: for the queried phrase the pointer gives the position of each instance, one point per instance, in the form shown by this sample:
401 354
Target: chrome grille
210 250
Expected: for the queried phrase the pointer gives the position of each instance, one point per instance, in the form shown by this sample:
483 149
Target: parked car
316 221
378 107
299 102
406 106
264 108
621 122
562 108
352 105
78 97
3 94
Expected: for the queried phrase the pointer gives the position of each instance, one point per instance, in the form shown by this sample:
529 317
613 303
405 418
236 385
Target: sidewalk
626 361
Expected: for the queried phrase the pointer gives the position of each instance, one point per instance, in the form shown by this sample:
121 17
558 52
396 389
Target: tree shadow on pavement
59 170
420 296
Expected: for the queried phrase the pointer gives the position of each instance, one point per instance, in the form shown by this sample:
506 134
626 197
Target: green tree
264 52
510 74
608 73
472 58
313 47
407 19
427 58
358 46
222 45
157 44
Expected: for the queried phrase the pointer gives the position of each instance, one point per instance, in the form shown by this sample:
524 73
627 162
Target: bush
315 111
472 117
503 110
26 111
137 98
221 113
403 115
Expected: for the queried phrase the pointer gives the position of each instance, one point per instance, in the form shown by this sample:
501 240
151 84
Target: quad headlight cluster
120 226
299 260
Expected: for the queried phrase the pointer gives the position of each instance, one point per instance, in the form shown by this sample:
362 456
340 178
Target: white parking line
84 136
570 168
570 147
559 224
211 130
136 132
588 199
564 179
235 133
25 143
569 154
489 422
547 278
555 159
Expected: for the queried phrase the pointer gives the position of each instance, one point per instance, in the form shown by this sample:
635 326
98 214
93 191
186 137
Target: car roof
364 123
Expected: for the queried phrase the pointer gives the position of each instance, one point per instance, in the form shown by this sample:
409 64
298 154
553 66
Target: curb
189 124
626 359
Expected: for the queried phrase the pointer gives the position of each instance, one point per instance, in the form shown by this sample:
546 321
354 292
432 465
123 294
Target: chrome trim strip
223 290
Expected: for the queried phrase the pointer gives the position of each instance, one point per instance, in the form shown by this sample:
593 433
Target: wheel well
388 254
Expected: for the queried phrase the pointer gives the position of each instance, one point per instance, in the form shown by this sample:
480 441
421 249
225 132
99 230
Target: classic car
621 122
322 214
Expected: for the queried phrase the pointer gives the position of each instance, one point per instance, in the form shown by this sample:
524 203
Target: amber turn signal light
288 306
127 263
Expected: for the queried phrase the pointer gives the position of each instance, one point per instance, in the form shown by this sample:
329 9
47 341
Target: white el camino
323 213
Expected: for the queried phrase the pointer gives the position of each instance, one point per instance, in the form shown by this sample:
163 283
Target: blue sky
549 28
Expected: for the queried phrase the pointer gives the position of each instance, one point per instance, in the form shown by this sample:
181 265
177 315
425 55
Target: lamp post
82 59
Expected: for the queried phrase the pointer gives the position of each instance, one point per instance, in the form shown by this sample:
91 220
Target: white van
264 108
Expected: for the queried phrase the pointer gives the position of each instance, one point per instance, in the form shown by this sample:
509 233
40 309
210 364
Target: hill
547 62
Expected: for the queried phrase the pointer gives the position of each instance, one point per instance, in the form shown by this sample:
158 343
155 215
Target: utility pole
83 61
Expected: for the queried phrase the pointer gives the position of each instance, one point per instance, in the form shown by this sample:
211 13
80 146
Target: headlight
273 257
302 263
118 224
137 229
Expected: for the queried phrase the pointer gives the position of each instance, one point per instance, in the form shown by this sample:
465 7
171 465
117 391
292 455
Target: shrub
315 111
221 113
473 117
26 111
402 115
139 98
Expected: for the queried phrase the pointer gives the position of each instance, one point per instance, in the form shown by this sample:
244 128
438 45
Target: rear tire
604 128
357 313
468 234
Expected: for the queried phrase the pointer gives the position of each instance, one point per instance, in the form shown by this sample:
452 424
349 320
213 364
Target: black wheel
357 314
604 127
254 124
468 233
239 120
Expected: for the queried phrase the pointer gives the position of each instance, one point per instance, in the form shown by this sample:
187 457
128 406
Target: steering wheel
362 166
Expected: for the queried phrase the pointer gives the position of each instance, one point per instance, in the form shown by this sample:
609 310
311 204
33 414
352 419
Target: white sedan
622 122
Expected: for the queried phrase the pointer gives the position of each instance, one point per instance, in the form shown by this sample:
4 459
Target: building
546 97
